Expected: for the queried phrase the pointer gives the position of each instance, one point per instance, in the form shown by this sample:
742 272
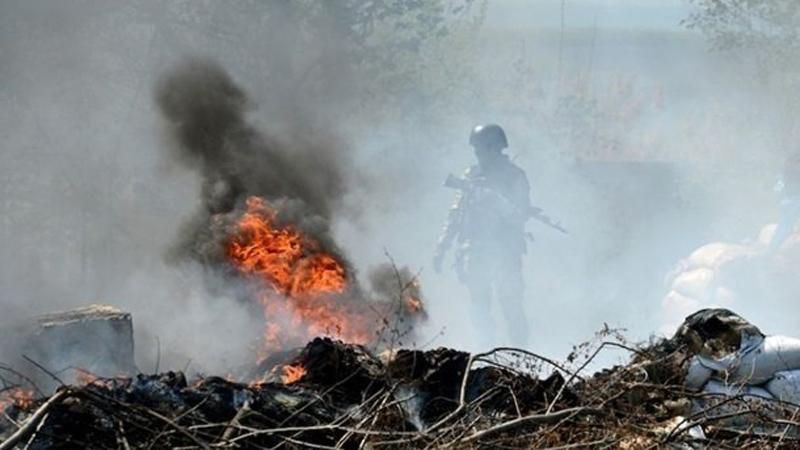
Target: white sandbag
759 363
720 404
785 386
697 374
757 360
721 388
716 404
701 368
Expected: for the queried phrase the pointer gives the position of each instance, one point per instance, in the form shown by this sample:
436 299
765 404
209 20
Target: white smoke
88 206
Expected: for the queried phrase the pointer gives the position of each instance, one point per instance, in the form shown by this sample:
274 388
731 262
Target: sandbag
785 386
774 354
697 374
718 403
757 360
717 387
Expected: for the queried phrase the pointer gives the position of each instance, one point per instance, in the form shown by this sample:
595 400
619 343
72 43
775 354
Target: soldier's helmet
490 135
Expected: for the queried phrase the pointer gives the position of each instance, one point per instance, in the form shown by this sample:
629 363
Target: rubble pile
336 395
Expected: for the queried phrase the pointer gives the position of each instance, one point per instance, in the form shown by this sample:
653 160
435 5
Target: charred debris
330 394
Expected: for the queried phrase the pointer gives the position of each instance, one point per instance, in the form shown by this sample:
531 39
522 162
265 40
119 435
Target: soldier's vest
486 227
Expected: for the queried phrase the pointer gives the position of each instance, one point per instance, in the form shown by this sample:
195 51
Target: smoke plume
303 174
306 172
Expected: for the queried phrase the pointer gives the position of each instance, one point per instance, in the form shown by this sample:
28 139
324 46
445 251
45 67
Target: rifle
533 212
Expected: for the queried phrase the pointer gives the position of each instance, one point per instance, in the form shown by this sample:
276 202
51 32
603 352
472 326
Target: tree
386 47
765 36
767 31
355 56
768 26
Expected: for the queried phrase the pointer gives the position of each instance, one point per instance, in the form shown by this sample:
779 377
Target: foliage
378 46
767 29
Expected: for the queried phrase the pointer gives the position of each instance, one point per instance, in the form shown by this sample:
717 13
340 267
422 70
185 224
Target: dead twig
31 424
229 429
583 366
45 370
36 431
531 419
177 428
21 376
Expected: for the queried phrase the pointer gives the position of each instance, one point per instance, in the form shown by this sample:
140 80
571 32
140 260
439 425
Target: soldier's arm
455 216
516 203
452 225
523 193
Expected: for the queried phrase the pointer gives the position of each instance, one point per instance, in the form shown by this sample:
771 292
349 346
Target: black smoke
304 172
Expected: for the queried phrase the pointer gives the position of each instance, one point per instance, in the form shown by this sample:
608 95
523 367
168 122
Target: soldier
488 223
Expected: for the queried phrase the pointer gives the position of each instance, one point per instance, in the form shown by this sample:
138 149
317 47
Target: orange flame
293 264
84 377
293 373
307 284
413 305
17 396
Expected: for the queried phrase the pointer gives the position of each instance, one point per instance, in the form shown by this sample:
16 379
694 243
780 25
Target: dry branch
31 424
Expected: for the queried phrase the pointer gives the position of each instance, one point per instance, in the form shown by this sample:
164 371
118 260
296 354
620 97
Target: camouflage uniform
488 223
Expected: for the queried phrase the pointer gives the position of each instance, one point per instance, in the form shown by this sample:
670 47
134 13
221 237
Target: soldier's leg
510 294
478 281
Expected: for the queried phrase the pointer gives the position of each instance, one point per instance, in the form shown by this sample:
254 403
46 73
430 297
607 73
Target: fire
413 305
291 263
17 396
304 286
292 373
84 377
